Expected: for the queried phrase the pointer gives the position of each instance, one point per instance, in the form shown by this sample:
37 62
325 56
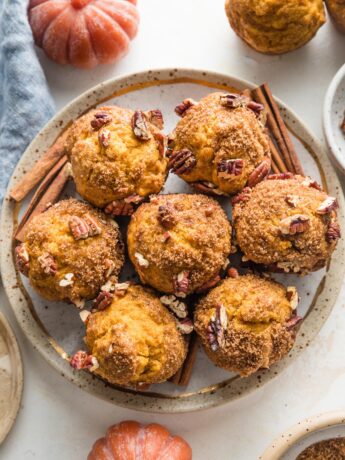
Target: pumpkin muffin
133 340
220 144
286 223
117 157
70 251
336 9
247 323
330 449
275 26
179 243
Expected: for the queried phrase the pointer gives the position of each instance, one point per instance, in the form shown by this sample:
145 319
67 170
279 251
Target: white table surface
57 420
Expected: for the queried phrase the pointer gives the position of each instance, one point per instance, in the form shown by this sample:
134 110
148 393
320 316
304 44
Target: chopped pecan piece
207 187
94 228
182 161
78 227
281 176
141 260
228 168
333 232
181 284
155 117
48 264
209 284
233 273
104 137
217 327
242 197
103 300
292 200
121 289
259 173
109 265
82 360
100 119
292 296
293 322
166 216
232 101
182 108
166 237
185 326
84 315
327 206
124 207
162 141
294 224
308 182
22 259
256 107
67 280
139 126
175 305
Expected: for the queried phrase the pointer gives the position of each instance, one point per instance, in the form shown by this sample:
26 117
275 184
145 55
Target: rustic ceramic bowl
56 329
302 435
333 115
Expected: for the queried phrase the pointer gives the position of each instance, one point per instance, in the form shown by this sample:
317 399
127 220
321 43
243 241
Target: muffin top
330 449
70 251
117 153
225 139
290 224
135 340
247 323
178 243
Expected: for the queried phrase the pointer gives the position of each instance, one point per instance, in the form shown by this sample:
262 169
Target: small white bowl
302 435
333 115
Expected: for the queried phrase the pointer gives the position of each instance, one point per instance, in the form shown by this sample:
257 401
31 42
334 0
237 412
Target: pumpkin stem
79 4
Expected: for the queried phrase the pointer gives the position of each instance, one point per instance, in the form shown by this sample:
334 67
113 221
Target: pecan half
217 327
256 107
139 126
104 137
94 228
100 119
207 187
166 216
155 117
181 284
103 300
292 296
182 161
209 284
281 176
232 272
242 197
175 305
294 224
259 173
333 232
47 263
292 200
82 360
232 101
185 326
78 227
327 206
124 207
182 108
22 259
228 168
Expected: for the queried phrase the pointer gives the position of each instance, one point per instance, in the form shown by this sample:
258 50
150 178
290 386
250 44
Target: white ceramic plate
302 435
56 329
333 115
11 378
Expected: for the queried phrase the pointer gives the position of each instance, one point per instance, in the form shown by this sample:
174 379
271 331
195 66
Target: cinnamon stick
40 169
40 191
183 375
49 197
276 157
284 132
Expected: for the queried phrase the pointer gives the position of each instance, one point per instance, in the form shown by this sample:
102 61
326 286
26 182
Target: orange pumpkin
133 441
83 33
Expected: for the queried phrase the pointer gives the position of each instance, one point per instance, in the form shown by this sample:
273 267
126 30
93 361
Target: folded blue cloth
25 102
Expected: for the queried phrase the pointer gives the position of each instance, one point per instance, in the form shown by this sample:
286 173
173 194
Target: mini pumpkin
133 441
83 33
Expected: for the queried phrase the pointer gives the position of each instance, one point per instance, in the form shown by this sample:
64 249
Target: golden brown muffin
220 144
330 449
117 157
287 224
179 243
247 323
275 26
336 9
70 251
134 341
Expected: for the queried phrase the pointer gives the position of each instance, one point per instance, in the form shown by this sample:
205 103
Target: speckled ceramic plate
11 378
302 435
56 329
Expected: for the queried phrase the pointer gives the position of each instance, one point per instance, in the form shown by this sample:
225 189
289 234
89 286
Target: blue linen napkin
25 102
